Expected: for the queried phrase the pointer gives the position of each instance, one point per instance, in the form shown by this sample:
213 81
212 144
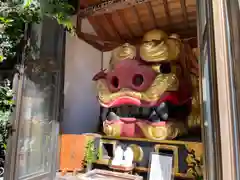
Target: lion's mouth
160 113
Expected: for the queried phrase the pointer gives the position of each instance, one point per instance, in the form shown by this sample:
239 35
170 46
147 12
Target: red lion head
148 89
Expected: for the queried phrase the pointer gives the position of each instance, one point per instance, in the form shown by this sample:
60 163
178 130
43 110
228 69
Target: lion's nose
131 75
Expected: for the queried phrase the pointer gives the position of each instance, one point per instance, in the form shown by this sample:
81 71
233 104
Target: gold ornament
157 47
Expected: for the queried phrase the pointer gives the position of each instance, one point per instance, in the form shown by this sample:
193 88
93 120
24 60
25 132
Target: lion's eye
165 68
150 44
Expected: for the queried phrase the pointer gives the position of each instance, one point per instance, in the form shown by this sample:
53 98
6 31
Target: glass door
209 92
33 149
37 126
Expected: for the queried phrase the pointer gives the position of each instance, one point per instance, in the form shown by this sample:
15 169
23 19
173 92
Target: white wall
81 113
106 59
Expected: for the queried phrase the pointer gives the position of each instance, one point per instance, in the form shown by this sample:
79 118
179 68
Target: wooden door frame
52 46
226 114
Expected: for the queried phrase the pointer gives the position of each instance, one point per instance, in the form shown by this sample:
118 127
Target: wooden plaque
72 150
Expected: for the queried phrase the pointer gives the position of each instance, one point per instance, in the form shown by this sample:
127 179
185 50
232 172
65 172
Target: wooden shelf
145 170
150 140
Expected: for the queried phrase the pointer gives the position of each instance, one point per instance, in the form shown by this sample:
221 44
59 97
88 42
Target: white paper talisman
161 167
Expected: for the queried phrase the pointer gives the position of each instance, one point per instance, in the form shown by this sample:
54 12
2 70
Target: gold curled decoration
172 148
155 34
112 129
138 152
126 51
169 131
161 84
194 157
107 129
157 47
158 132
194 119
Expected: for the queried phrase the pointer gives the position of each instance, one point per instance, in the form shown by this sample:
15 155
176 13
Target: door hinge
10 130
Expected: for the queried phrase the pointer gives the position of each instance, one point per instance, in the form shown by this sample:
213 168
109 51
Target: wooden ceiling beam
167 12
88 38
151 12
95 41
184 11
114 28
124 21
96 27
107 7
91 37
108 47
96 45
138 18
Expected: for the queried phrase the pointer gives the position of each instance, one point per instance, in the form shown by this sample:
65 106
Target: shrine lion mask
145 92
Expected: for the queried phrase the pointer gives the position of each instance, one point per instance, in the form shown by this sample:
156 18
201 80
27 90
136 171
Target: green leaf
1 58
27 3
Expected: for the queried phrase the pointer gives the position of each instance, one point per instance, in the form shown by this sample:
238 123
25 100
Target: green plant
91 154
14 15
6 107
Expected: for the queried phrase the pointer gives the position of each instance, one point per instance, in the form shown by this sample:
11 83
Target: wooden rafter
108 47
95 26
109 27
150 10
184 11
123 19
88 38
93 43
107 7
138 18
118 21
110 21
167 12
92 37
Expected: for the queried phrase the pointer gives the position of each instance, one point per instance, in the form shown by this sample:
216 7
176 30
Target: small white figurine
128 157
118 156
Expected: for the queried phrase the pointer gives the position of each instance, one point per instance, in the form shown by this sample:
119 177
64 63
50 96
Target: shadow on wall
81 108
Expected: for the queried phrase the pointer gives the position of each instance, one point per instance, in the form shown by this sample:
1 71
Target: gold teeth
169 131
